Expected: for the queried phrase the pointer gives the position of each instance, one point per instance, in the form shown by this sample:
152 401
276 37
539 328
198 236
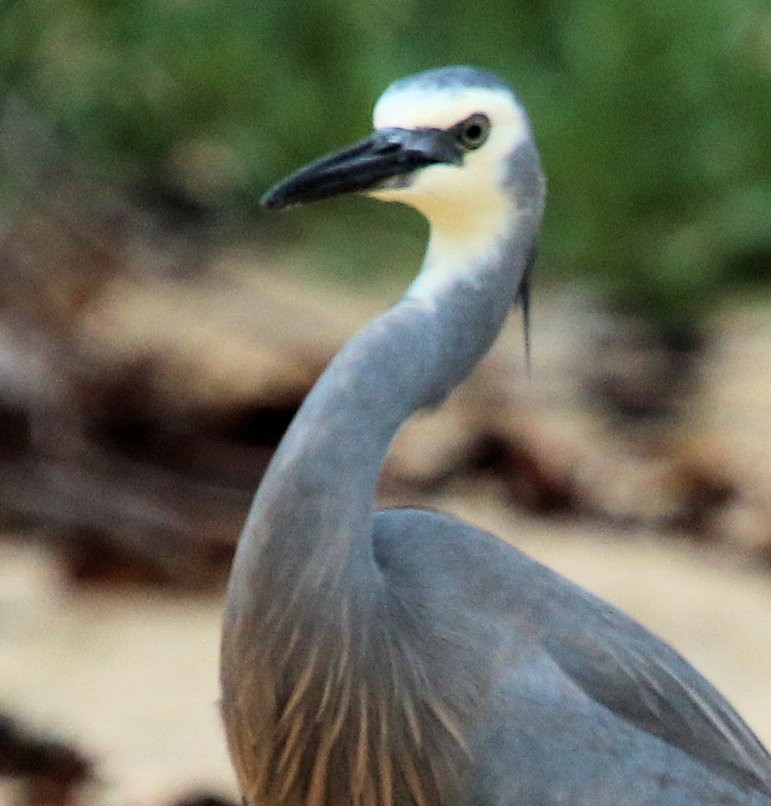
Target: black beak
366 165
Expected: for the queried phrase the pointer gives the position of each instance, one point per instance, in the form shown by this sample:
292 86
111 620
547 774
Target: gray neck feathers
308 536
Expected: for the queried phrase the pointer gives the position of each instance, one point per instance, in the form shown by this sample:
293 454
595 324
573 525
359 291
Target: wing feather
628 670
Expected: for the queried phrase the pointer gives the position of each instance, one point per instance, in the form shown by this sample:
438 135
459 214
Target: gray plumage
404 657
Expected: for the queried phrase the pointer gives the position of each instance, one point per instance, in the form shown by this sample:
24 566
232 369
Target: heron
401 656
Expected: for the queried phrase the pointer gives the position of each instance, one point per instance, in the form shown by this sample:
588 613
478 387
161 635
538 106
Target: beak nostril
390 147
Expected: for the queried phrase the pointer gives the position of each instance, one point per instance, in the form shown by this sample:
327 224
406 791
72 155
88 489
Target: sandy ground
131 678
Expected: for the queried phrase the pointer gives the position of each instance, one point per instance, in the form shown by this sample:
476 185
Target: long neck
309 532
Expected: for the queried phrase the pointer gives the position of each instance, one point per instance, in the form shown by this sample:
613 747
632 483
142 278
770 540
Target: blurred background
158 331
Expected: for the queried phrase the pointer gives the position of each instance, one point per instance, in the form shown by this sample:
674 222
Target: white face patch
469 209
418 108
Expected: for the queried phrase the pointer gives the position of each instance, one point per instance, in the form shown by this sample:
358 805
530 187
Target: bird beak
382 159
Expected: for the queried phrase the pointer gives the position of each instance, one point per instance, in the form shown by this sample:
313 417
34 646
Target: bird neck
308 539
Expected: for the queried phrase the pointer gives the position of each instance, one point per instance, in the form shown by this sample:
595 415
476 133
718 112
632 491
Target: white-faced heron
402 656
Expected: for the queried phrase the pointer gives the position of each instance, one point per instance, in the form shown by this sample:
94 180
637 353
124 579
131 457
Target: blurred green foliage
653 116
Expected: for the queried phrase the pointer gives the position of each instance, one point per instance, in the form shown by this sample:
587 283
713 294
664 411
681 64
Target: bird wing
622 666
615 661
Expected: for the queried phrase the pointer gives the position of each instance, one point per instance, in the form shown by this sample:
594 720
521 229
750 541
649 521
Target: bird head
444 142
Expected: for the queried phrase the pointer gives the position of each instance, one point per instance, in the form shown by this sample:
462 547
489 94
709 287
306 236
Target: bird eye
473 132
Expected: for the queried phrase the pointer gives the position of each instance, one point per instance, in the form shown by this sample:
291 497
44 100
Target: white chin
390 193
